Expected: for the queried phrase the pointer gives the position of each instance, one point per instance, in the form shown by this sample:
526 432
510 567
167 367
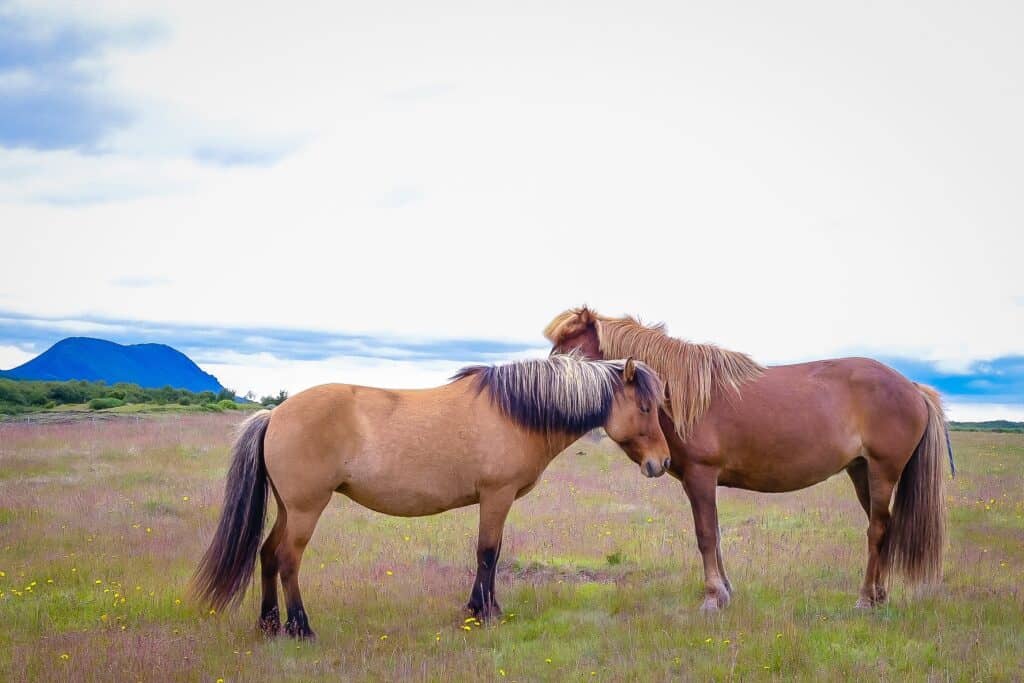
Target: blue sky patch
239 155
36 334
51 91
999 380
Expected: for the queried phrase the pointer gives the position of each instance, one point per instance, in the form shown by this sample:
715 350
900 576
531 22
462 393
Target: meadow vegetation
26 396
101 525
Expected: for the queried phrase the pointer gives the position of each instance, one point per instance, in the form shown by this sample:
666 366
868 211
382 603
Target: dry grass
101 525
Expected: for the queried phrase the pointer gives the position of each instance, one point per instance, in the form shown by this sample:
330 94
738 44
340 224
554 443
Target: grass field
101 524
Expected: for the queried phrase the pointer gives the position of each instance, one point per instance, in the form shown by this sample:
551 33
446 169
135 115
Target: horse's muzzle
652 470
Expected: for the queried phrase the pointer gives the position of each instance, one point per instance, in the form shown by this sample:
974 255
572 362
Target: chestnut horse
484 438
731 422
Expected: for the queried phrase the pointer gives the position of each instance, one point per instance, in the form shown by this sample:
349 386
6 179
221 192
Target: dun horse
484 439
732 422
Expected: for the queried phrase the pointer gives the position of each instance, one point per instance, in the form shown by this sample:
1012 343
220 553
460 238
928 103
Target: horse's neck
556 442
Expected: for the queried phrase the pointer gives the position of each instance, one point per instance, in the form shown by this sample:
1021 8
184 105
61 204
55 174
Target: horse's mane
563 393
693 373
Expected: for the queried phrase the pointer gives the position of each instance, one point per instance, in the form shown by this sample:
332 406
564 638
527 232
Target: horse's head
575 330
633 419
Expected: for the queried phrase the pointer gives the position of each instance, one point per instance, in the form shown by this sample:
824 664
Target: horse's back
812 418
401 452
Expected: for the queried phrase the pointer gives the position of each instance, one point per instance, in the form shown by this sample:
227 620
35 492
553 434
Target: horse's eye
645 409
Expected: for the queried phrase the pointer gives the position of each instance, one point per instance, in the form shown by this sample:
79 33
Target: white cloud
766 183
265 375
978 412
12 357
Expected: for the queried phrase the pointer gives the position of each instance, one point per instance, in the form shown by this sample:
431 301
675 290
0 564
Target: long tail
917 530
227 566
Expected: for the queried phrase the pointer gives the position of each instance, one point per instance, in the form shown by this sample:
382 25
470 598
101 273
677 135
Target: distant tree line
271 401
19 396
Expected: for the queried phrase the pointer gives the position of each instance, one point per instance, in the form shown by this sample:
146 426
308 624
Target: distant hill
84 358
989 426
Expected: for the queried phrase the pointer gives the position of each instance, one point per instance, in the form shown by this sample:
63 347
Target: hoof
297 625
880 597
298 632
716 598
270 623
485 613
710 606
715 602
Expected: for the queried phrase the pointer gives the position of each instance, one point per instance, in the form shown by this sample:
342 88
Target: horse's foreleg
700 484
880 485
721 564
494 507
270 617
297 532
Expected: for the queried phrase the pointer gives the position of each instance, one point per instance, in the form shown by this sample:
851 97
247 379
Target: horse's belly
776 473
412 502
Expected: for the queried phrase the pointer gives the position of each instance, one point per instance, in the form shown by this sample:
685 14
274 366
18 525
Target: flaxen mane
693 373
561 393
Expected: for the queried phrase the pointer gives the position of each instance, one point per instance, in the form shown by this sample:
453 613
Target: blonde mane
563 393
693 373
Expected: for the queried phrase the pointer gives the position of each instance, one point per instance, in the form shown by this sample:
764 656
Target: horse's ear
629 370
569 324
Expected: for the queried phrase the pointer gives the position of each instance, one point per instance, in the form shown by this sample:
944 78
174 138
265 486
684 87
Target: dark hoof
485 613
880 598
270 623
297 625
299 632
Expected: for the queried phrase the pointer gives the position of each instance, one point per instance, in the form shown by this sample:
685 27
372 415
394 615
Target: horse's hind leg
494 507
858 471
270 617
299 525
880 486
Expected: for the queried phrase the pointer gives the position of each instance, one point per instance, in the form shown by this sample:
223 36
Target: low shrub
104 403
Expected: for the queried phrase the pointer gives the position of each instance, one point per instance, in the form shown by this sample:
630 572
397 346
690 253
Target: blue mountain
148 365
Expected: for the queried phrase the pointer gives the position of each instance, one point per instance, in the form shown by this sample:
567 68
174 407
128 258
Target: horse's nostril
667 464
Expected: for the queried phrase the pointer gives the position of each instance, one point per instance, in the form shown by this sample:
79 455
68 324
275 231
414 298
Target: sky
382 192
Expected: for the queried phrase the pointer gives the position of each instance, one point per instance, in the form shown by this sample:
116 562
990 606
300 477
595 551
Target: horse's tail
917 531
228 564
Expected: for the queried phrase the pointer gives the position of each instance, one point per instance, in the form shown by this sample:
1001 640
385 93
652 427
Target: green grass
101 524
